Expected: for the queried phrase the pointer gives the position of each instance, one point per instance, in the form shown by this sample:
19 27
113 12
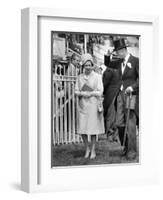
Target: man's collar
126 58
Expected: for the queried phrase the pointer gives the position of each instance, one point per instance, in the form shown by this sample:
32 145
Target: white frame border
29 80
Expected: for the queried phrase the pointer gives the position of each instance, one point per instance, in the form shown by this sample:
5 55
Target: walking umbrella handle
127 120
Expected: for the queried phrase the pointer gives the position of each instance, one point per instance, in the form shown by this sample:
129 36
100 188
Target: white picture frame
35 167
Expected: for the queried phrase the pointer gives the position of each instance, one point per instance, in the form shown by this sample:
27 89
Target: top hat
119 44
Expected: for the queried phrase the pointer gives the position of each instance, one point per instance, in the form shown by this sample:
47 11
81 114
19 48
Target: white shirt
123 66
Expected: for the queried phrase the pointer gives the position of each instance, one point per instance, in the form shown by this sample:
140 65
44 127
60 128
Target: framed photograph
87 119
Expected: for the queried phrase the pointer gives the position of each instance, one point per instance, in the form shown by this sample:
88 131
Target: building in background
65 44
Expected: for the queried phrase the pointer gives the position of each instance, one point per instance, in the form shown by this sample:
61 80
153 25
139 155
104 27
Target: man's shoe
124 151
131 155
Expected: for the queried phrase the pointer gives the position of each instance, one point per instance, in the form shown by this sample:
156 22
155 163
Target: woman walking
89 89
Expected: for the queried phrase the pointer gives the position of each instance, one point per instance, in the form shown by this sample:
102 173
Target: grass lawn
73 154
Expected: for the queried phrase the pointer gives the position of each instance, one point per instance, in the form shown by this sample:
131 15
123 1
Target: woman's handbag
86 88
100 104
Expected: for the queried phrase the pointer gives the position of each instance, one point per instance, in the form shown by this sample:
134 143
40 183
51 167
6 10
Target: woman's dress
89 117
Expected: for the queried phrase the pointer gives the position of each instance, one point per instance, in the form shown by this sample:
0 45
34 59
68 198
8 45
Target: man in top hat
127 84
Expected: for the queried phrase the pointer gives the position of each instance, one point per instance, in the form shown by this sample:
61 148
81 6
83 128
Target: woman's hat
119 44
86 57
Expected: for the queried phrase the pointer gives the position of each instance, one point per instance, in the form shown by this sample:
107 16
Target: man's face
75 61
121 53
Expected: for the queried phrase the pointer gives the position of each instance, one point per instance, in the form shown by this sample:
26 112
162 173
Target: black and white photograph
94 99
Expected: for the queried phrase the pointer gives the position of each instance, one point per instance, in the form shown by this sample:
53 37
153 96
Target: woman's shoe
87 153
93 155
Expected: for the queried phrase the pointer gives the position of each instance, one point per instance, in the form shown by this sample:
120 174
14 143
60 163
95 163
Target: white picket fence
64 107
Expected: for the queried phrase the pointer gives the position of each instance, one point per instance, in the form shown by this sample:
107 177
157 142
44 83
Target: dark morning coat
111 87
130 77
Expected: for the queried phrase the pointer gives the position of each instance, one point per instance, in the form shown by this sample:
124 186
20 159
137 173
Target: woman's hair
86 57
87 61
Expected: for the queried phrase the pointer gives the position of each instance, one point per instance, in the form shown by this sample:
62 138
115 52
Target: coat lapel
127 68
120 70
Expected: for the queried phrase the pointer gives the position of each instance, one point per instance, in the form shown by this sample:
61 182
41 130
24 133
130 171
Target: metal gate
64 106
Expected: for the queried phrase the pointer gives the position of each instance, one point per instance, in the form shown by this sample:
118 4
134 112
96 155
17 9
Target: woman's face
88 67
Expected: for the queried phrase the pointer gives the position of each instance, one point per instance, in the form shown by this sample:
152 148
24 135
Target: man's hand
129 90
109 52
